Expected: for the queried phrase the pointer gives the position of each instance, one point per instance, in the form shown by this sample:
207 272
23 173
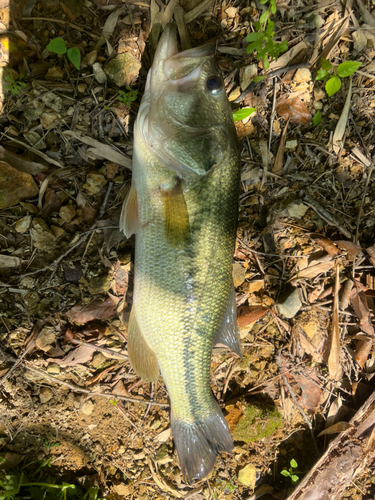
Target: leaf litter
63 263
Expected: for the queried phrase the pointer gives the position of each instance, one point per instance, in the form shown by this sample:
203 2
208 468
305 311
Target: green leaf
251 37
285 473
243 113
295 479
262 2
316 120
333 85
325 64
270 27
263 18
8 79
259 78
293 464
266 63
281 47
273 8
257 25
57 45
322 73
347 68
74 56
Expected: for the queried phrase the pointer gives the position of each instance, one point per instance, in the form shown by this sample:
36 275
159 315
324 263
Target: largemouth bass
183 207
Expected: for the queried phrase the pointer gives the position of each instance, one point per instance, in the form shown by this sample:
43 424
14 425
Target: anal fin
177 226
129 222
229 334
142 358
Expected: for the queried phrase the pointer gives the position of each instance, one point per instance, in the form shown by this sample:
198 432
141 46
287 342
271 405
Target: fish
183 209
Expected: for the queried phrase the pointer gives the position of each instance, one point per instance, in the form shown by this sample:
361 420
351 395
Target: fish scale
184 215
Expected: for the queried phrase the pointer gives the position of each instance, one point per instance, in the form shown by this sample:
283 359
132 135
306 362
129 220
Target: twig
272 112
363 201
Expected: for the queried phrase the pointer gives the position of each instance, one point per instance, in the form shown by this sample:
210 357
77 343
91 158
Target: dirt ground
71 408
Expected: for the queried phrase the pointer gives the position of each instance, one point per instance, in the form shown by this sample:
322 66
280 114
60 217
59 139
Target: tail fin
198 443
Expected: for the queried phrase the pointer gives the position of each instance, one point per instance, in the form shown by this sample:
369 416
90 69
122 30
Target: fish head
185 117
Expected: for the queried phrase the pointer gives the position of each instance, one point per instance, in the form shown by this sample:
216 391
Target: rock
52 101
302 75
33 110
22 225
87 408
289 302
27 282
99 73
360 40
46 338
123 69
247 476
98 360
317 105
94 183
15 186
319 94
45 394
318 21
295 209
49 119
57 231
292 144
90 58
368 32
67 213
234 94
53 369
43 238
239 274
231 12
81 87
247 75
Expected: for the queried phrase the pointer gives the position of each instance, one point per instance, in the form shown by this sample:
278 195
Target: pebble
22 225
123 69
239 274
43 238
289 302
231 12
87 408
360 40
317 105
33 110
49 119
99 73
53 369
247 75
67 213
45 339
45 394
292 144
302 75
15 186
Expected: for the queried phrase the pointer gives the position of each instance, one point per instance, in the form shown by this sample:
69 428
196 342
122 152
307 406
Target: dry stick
37 330
272 112
363 201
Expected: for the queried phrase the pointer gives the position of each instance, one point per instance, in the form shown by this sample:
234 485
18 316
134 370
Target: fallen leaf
293 109
334 368
164 436
101 310
313 271
279 159
248 476
325 243
351 248
249 314
311 392
362 351
336 428
75 357
358 300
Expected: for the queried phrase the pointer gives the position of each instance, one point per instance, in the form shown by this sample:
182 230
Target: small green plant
113 402
291 472
262 42
243 113
317 118
14 86
127 97
343 70
58 46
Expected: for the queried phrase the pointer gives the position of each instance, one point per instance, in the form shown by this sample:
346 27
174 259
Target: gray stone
289 302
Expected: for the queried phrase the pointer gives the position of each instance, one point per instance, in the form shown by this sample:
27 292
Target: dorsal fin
177 226
229 334
142 358
129 221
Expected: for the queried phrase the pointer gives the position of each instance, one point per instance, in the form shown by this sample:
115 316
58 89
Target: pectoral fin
129 222
142 358
229 334
176 215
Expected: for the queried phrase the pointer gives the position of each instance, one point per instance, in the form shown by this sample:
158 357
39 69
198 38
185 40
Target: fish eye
214 84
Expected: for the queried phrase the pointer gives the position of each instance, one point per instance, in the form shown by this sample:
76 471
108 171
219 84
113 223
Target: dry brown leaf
336 428
334 368
311 392
75 357
250 314
371 253
325 243
293 109
358 300
101 310
313 271
17 162
164 436
234 415
362 351
351 248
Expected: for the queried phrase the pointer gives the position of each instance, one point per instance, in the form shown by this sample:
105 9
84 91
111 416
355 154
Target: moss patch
259 421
